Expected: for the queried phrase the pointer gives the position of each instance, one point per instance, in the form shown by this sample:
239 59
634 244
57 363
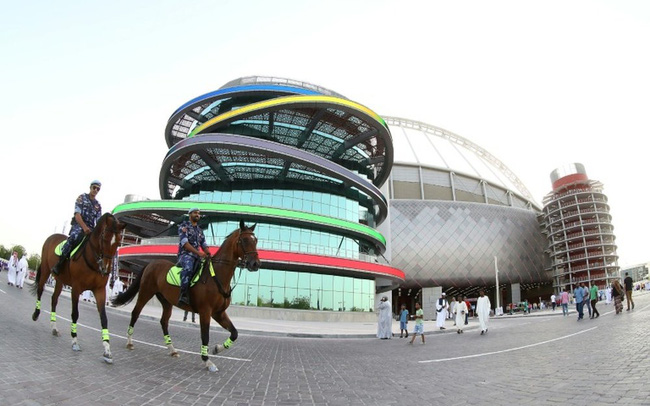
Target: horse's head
109 231
247 247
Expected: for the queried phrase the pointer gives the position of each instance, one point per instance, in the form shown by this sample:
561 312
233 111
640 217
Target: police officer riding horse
191 239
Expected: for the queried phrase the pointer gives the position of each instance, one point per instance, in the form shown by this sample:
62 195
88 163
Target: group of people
587 296
17 270
460 311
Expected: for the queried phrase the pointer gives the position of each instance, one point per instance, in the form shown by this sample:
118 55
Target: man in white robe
608 295
441 309
460 309
385 321
483 308
13 268
118 286
22 271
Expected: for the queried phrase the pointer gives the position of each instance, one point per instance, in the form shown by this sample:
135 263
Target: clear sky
86 88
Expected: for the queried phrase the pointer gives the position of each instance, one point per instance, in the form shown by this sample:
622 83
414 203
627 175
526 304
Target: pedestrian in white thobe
87 296
22 271
441 309
608 295
118 286
385 321
460 309
483 308
13 268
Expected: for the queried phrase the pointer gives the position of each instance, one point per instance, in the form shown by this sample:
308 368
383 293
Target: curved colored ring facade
269 148
280 260
352 229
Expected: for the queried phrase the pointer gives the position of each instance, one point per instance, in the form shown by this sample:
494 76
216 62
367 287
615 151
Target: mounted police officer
87 212
191 239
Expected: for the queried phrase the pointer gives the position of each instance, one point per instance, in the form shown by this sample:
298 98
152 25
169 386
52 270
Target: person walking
403 321
461 310
385 321
22 271
483 308
441 309
628 291
193 316
87 211
469 307
419 323
553 304
578 295
617 295
586 298
593 294
564 302
608 295
13 269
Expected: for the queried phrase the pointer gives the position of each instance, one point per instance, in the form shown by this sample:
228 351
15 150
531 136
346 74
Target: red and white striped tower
581 240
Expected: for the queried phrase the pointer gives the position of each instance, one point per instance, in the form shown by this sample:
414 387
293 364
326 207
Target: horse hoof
108 359
75 347
218 348
213 368
130 346
174 354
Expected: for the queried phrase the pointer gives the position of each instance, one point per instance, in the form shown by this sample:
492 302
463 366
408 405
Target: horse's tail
128 295
37 280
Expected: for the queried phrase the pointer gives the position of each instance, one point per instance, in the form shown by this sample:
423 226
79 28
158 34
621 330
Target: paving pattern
546 360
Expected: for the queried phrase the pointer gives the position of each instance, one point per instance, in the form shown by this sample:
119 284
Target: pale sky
86 89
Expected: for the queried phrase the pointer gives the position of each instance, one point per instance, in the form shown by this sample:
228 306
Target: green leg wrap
38 305
129 331
105 335
227 343
168 340
204 350
73 328
53 316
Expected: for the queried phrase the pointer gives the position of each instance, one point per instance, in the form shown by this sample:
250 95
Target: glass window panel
347 285
327 300
338 283
291 279
339 301
238 297
304 280
265 277
315 281
290 294
328 282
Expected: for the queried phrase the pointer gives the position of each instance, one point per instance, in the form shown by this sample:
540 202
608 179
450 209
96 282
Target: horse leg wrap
227 343
168 340
105 335
204 352
129 331
38 305
73 328
53 316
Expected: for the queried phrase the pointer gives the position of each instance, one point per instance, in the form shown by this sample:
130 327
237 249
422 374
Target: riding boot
184 297
57 268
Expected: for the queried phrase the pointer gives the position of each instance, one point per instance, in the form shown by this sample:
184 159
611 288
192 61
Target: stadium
348 205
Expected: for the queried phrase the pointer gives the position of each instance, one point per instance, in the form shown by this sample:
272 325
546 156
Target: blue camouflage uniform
90 211
186 259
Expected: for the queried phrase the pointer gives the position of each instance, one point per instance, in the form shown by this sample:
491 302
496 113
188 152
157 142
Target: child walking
419 323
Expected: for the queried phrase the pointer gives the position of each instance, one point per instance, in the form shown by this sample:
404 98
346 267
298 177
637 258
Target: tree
19 249
4 252
34 261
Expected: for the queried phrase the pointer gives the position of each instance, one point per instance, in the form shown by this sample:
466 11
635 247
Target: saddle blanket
59 248
174 275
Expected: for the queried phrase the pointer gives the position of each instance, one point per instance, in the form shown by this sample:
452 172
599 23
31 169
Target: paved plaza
541 359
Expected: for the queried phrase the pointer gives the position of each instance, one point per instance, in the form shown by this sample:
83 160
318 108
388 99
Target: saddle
174 274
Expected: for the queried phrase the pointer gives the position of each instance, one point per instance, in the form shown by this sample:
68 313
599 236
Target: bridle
241 263
98 252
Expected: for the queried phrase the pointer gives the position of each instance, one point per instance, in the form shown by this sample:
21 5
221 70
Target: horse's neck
225 261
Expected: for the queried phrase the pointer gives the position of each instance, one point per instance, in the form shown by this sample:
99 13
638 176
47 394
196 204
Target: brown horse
210 297
87 269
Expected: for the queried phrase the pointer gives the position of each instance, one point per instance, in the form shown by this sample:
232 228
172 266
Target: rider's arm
188 247
80 221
